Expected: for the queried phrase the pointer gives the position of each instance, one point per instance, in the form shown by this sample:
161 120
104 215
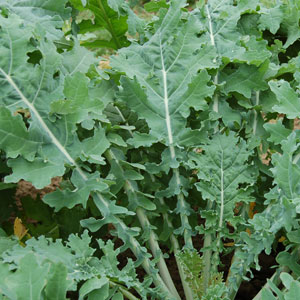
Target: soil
25 188
249 289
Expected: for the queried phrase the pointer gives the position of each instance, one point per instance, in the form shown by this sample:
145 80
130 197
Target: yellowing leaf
231 244
251 210
19 229
282 239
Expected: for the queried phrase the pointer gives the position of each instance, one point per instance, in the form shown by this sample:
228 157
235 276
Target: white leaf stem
184 219
135 246
144 221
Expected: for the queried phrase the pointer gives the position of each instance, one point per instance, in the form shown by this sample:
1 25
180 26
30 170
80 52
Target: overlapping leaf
47 269
221 20
271 16
277 132
29 280
115 17
222 169
14 136
286 169
46 16
39 92
290 25
283 205
245 80
162 80
287 97
283 202
52 120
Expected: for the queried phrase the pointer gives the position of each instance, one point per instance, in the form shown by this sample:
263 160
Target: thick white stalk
207 255
135 246
187 290
211 34
144 221
184 219
136 249
212 40
157 253
167 113
215 259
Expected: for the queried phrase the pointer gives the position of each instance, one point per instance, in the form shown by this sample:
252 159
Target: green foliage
222 170
192 121
49 269
46 17
112 18
193 271
291 285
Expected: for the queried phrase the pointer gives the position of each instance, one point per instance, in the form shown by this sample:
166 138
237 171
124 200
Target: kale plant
184 147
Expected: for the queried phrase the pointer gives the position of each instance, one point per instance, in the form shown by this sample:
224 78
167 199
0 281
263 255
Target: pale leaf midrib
141 78
133 241
187 236
54 140
211 34
78 65
237 155
147 106
225 23
212 39
33 110
166 103
40 85
219 4
179 52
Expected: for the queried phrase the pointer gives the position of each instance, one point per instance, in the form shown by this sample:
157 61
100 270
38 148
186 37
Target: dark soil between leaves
247 291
